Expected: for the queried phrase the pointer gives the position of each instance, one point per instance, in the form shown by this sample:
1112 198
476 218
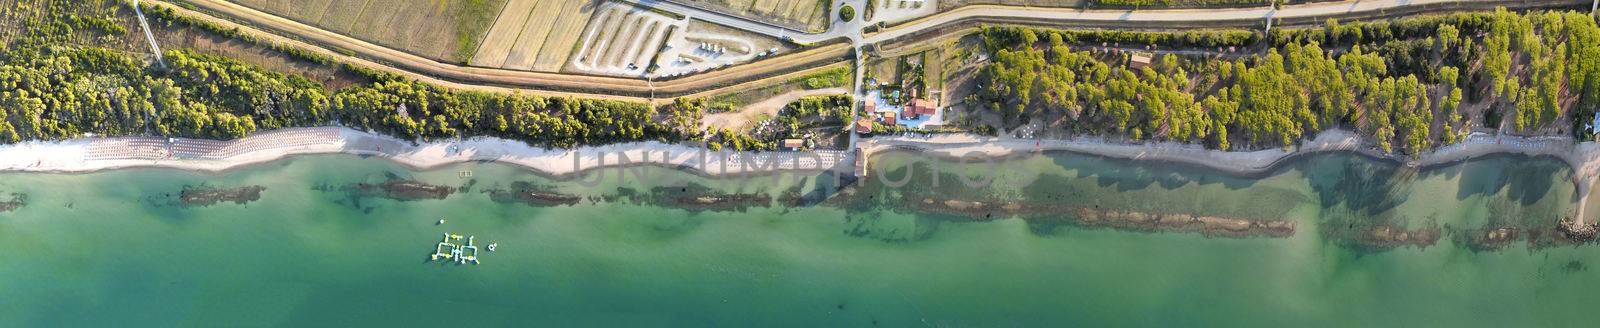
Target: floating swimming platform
467 256
451 249
445 249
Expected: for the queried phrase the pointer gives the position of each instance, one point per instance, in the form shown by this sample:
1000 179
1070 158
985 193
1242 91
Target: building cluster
916 113
713 48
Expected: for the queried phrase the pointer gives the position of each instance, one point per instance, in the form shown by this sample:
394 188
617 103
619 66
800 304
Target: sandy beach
94 154
1582 156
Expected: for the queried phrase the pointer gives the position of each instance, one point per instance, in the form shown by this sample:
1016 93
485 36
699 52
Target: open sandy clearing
705 46
809 15
622 37
744 117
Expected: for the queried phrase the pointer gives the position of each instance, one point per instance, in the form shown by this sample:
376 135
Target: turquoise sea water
114 249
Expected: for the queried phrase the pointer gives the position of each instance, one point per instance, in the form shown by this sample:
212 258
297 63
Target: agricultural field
809 15
622 39
534 35
437 29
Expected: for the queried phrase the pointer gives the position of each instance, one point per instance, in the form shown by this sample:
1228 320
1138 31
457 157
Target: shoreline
88 155
1584 158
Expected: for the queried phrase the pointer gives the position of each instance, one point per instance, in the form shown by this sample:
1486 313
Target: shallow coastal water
117 248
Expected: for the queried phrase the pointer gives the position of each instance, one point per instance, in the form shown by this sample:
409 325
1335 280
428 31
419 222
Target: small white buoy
441 221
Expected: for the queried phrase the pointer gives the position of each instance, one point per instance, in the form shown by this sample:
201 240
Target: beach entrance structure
861 163
1139 60
148 36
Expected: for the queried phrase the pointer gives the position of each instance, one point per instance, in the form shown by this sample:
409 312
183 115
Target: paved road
1132 18
489 78
494 79
1178 18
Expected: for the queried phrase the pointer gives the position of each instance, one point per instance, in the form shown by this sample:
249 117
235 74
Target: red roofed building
919 107
864 125
889 118
869 106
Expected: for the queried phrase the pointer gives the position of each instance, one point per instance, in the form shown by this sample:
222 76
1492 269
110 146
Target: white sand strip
94 154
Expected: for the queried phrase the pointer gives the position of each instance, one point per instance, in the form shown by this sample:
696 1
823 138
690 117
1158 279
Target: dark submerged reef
209 195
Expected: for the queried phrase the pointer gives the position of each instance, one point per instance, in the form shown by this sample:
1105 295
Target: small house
864 125
1139 60
889 118
793 144
919 108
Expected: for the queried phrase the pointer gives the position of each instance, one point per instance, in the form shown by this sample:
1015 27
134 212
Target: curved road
1155 18
457 75
1192 18
321 41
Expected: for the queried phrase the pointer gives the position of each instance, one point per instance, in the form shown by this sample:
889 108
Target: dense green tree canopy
1405 81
